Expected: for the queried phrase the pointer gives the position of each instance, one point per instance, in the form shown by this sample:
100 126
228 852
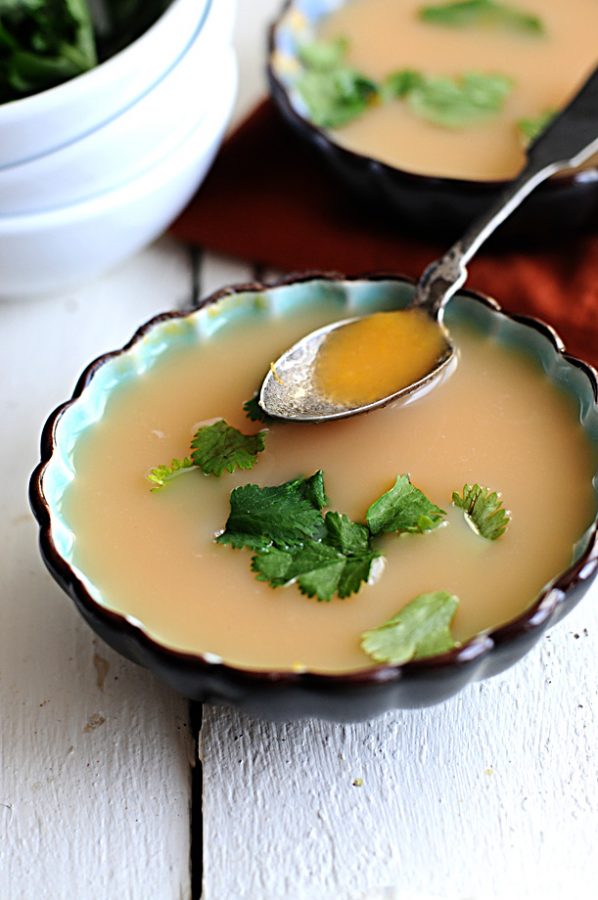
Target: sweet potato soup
496 421
545 67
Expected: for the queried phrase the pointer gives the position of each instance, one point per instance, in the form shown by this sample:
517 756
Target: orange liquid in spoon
378 355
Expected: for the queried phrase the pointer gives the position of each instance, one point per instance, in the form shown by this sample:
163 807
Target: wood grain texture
492 795
95 754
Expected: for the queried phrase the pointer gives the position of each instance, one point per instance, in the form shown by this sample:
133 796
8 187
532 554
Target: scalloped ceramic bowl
288 695
435 206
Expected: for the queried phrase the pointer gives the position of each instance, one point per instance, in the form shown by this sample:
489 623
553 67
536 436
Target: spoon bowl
292 391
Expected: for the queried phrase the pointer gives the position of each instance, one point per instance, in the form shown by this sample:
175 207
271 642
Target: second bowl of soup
425 109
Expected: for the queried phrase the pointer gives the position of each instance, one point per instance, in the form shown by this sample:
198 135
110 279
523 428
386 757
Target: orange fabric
270 200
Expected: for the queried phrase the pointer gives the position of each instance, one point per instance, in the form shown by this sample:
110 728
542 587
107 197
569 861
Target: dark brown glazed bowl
434 207
288 695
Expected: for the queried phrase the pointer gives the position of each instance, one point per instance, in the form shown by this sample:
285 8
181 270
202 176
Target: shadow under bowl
289 695
431 206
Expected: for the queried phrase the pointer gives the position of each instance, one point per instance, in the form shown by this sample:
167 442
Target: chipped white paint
94 774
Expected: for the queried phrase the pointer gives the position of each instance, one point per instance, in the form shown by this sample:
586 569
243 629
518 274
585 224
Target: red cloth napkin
268 199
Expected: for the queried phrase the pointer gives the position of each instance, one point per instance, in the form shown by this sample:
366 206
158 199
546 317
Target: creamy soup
496 420
386 35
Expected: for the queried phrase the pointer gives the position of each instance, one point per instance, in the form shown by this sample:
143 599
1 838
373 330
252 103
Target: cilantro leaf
532 127
356 571
254 411
323 55
161 475
336 96
336 564
403 508
483 510
481 12
315 566
400 83
220 447
420 629
349 537
333 92
451 103
284 516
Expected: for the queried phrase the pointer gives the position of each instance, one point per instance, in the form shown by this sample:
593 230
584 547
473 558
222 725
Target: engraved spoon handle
569 140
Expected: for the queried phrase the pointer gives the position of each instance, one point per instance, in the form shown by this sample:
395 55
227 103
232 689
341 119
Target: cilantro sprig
295 543
337 564
450 102
221 448
483 510
323 554
215 449
404 508
335 94
464 13
284 516
420 629
161 475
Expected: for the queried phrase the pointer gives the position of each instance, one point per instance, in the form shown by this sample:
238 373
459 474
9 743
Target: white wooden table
493 794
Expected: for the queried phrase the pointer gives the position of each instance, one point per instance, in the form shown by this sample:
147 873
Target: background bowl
134 139
52 251
40 123
435 206
288 695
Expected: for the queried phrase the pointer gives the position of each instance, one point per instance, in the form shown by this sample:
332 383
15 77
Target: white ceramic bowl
130 142
42 122
50 252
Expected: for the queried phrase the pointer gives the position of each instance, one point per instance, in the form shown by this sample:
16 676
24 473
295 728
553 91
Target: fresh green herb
284 516
254 411
333 92
220 447
320 568
295 543
43 44
46 42
420 629
399 84
322 56
452 103
403 508
214 449
337 96
161 475
483 510
481 12
530 128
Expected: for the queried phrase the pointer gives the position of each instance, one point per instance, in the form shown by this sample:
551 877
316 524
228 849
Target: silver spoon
290 389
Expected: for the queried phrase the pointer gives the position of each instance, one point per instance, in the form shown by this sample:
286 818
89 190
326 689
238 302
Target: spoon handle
569 140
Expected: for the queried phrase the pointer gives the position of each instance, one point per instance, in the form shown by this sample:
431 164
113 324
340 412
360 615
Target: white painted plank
94 776
493 794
